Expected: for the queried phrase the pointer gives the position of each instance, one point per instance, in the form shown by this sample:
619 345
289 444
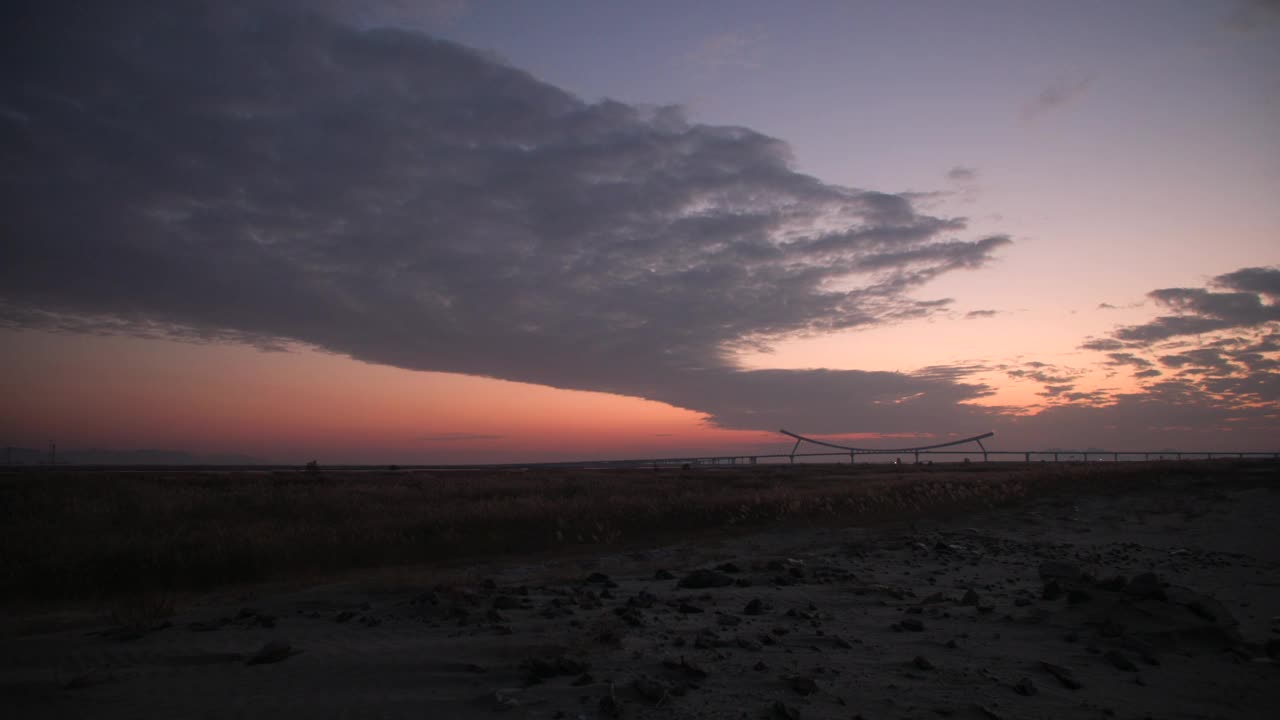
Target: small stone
923 663
803 684
1063 675
272 652
1060 570
970 597
1120 661
1145 586
911 624
702 579
655 691
1052 591
1025 686
783 711
1076 596
1113 584
663 575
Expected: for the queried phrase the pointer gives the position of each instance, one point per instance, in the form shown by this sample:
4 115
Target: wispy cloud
1057 95
731 49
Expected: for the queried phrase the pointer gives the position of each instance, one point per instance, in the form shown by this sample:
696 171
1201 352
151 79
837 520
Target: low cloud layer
266 173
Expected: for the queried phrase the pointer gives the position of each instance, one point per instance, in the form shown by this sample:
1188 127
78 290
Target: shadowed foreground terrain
1003 591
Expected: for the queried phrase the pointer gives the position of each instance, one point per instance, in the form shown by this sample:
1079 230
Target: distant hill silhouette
28 456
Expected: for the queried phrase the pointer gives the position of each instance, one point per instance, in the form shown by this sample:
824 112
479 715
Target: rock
970 597
755 607
655 691
1120 661
749 644
506 602
728 568
344 616
706 639
702 579
803 684
760 666
1113 584
1063 675
1052 591
610 707
663 575
841 642
685 668
923 663
642 599
538 669
1076 596
272 652
1025 686
988 712
911 625
688 608
783 711
1145 586
1060 570
599 578
630 616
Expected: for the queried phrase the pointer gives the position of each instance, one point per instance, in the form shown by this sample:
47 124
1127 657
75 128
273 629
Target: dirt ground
1159 604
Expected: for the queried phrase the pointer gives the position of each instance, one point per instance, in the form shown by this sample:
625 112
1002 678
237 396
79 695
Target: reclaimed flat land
986 590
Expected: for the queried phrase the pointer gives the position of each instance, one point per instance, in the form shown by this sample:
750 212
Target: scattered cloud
1248 300
1251 15
1218 351
1123 358
1059 94
962 174
729 50
268 173
974 314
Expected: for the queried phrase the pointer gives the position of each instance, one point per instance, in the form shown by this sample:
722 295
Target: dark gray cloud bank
261 172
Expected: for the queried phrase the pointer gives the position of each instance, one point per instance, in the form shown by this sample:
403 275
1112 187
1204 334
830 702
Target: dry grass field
70 537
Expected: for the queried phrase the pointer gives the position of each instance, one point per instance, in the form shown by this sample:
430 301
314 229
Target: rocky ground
1160 604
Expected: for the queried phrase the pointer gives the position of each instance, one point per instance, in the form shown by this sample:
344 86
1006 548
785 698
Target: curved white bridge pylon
881 451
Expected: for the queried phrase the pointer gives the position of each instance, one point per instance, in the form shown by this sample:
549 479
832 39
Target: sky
460 231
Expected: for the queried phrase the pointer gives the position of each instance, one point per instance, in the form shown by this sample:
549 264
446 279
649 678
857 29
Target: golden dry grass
69 536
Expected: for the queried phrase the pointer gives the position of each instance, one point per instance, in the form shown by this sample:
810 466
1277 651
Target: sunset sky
452 231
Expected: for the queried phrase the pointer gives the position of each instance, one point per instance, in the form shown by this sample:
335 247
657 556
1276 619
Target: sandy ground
1048 610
